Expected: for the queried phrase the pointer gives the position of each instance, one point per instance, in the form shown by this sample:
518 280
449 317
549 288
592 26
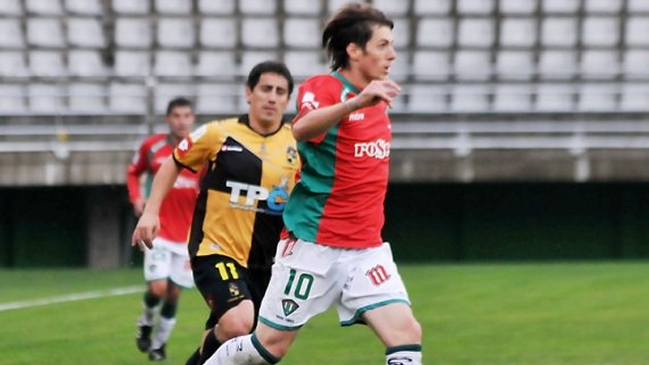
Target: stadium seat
43 7
431 65
260 33
302 32
131 6
392 8
84 7
514 65
560 6
637 6
333 5
304 63
559 32
11 7
518 32
509 98
301 7
12 64
472 65
12 99
554 97
166 92
218 32
176 32
45 32
46 98
85 63
218 98
251 58
133 32
635 63
597 98
557 64
637 31
476 32
127 98
219 64
634 98
266 7
426 99
85 32
46 63
600 31
173 7
11 35
470 98
475 6
435 32
603 6
132 63
518 7
87 98
400 70
427 7
173 64
599 64
224 7
401 32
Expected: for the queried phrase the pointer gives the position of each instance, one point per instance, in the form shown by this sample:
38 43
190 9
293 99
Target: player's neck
262 127
355 77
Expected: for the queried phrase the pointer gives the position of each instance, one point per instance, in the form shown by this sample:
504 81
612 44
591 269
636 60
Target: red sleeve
315 93
136 168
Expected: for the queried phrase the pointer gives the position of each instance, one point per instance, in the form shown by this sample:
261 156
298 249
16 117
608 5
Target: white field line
71 298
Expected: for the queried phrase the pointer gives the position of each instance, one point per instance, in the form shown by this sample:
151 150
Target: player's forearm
319 121
133 187
162 182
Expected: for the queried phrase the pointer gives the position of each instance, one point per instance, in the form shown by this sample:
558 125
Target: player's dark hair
179 101
272 67
353 23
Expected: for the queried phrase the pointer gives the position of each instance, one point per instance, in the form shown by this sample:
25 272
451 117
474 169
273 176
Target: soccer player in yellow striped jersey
249 166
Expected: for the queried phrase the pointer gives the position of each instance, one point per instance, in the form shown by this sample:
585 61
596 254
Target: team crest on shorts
234 290
289 306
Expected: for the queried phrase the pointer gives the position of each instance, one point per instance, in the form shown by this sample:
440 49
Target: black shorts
224 284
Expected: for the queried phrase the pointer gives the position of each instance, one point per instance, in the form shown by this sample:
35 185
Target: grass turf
499 314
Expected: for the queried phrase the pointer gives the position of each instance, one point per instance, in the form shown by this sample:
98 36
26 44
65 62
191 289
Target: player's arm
314 123
149 224
135 169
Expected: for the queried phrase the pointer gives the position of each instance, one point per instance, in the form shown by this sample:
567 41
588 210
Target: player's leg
156 272
377 296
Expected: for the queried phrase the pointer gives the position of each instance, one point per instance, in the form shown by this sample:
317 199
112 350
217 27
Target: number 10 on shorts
301 287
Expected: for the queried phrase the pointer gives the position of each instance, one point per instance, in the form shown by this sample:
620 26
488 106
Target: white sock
163 332
148 313
244 350
409 355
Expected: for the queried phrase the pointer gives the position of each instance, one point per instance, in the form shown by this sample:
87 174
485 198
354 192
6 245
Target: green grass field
500 314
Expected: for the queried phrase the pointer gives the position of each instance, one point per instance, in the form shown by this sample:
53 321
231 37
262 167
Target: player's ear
353 51
248 94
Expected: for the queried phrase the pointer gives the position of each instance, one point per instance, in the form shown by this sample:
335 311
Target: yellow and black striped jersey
245 186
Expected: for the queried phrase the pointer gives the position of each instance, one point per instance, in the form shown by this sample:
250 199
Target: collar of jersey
346 82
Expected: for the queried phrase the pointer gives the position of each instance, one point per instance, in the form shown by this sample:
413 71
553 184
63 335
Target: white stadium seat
475 6
85 32
634 98
559 32
518 32
637 6
515 65
431 65
304 63
131 6
554 97
600 31
84 7
301 7
266 7
426 99
560 6
637 31
173 64
603 6
251 58
218 32
86 63
11 35
518 6
132 63
46 98
127 98
401 33
173 7
635 63
13 64
509 98
10 7
470 98
302 32
557 64
600 64
260 33
219 64
218 98
472 65
166 92
435 32
46 63
476 32
216 7
45 32
43 7
596 97
427 7
392 8
176 32
133 32
12 99
87 98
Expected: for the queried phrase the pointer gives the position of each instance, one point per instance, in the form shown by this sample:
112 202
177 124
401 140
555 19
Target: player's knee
236 322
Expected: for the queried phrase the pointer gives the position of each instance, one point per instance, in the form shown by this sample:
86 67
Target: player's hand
377 91
145 231
138 207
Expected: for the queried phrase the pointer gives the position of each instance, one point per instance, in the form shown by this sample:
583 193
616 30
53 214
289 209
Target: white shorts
168 260
308 278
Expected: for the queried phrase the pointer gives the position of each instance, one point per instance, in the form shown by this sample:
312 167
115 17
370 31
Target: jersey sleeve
139 164
315 94
199 147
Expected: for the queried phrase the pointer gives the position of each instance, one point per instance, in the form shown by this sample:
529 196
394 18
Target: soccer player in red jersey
166 266
334 254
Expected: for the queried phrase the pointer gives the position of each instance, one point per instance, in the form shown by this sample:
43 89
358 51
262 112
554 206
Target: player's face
379 54
181 121
269 99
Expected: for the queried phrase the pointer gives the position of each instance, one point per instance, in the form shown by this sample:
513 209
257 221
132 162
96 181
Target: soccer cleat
143 339
158 354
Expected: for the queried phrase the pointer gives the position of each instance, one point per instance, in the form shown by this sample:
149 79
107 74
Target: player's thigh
374 281
394 324
157 262
223 283
301 286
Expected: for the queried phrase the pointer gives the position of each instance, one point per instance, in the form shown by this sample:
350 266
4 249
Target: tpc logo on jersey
275 199
308 101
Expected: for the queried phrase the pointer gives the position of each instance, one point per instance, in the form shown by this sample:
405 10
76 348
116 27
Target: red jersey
177 207
344 176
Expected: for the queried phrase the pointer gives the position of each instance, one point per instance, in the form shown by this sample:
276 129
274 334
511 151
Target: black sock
210 345
168 310
150 300
195 358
